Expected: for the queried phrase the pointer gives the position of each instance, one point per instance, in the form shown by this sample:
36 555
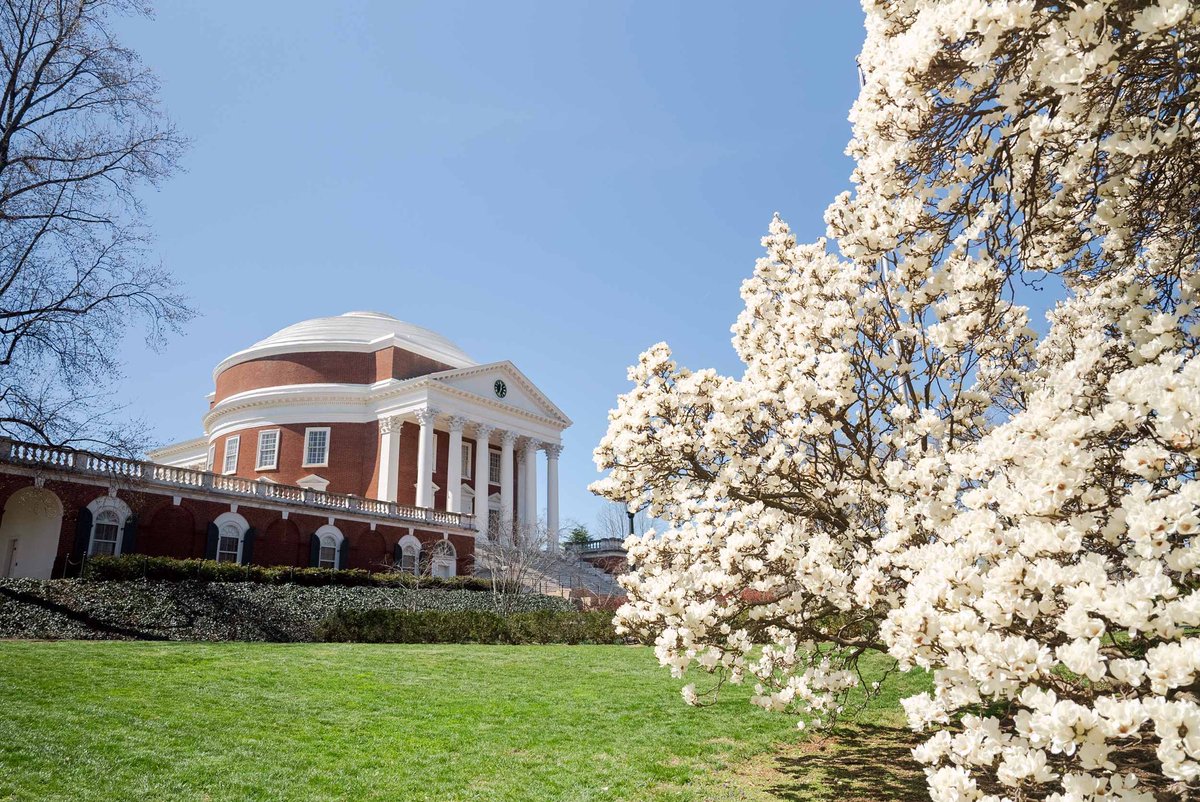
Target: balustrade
36 455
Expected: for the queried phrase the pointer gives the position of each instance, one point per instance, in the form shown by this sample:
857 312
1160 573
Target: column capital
390 424
508 438
552 450
457 422
530 446
426 416
483 431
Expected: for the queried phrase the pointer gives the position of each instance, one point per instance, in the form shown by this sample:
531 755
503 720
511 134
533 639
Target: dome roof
353 331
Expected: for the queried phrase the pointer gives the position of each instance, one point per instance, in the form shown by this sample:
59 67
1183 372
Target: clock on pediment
500 388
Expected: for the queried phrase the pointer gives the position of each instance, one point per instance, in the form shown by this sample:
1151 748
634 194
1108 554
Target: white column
425 417
454 465
482 469
529 515
507 440
552 452
389 458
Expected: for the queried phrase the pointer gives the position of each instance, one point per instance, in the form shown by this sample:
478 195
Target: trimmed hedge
167 569
78 609
467 626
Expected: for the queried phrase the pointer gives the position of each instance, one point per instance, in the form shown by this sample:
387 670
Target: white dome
353 331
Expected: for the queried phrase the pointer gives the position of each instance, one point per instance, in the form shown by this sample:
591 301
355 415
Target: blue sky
561 184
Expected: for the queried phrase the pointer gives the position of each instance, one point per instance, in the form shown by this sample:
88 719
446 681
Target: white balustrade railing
151 473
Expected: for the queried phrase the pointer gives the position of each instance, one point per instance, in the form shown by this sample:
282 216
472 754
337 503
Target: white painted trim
328 447
258 451
329 530
341 346
243 526
313 482
357 403
236 439
109 503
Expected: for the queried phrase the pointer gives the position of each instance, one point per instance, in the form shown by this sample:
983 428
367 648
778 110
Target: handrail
601 544
38 455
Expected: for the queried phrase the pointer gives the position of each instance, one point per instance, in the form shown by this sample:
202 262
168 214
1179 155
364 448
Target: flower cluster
906 466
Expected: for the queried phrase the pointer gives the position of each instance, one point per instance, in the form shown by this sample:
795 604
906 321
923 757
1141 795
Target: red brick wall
353 451
315 368
181 531
325 367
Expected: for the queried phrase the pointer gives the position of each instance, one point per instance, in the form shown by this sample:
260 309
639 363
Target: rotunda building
368 407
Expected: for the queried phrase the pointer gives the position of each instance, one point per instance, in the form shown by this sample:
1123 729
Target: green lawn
242 721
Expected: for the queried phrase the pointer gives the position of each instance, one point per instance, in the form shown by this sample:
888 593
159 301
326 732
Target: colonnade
520 514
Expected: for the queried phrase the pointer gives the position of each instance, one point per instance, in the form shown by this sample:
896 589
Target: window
493 529
268 450
229 544
494 467
231 454
468 463
328 555
316 447
410 554
443 561
212 457
106 529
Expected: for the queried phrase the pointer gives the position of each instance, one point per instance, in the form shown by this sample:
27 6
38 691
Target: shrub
215 611
467 626
168 569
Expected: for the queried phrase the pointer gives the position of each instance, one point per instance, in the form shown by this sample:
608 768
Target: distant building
349 441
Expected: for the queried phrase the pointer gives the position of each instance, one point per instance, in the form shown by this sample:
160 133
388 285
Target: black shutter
129 535
83 532
210 549
314 551
342 550
248 545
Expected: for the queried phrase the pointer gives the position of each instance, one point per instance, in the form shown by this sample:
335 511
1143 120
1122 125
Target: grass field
241 721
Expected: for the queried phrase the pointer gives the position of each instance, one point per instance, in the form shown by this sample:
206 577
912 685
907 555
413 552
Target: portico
490 448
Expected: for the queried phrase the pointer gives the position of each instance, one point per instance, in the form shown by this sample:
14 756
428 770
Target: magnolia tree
904 466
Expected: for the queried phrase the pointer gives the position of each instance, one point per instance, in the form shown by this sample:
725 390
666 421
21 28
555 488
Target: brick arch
281 543
168 531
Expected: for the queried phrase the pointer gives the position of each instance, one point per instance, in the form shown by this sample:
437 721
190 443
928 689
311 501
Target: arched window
327 545
328 555
230 539
408 554
229 543
443 559
109 517
106 533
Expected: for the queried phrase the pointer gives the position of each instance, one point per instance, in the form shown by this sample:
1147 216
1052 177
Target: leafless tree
613 521
81 131
515 564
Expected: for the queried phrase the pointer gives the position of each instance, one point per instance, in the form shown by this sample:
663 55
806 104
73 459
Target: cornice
367 401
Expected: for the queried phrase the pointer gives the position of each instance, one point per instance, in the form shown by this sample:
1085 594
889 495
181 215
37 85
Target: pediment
517 390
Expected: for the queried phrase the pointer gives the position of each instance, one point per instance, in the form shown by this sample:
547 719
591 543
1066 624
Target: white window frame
468 460
442 564
406 543
232 520
236 441
499 465
259 465
119 509
308 432
337 540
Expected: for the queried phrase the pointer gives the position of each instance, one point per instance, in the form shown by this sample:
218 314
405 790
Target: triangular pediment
502 383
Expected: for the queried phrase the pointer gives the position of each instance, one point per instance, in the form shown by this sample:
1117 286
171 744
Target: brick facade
170 529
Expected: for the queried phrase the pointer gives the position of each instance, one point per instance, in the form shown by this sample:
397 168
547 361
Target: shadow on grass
854 763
